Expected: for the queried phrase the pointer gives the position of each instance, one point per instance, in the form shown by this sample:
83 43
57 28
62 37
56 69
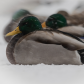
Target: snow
41 73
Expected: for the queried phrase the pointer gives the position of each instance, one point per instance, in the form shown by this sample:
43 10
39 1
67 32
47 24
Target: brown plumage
76 19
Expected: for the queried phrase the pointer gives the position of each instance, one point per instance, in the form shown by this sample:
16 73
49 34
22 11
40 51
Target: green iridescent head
19 14
27 24
56 21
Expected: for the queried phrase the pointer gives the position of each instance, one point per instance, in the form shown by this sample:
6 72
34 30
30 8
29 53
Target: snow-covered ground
41 73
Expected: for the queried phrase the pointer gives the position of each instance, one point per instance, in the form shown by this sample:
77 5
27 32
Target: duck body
42 53
71 27
22 50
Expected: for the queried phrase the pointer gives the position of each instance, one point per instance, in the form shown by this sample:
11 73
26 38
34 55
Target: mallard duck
18 15
34 45
59 22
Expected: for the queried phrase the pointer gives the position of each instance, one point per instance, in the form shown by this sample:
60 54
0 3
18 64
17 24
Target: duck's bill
14 32
43 25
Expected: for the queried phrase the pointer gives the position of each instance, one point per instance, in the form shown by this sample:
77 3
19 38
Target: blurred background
40 7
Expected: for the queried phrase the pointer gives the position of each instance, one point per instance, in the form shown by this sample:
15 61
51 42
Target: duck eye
24 23
50 19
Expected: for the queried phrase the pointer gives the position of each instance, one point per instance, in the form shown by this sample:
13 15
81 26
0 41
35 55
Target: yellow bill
16 31
43 25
